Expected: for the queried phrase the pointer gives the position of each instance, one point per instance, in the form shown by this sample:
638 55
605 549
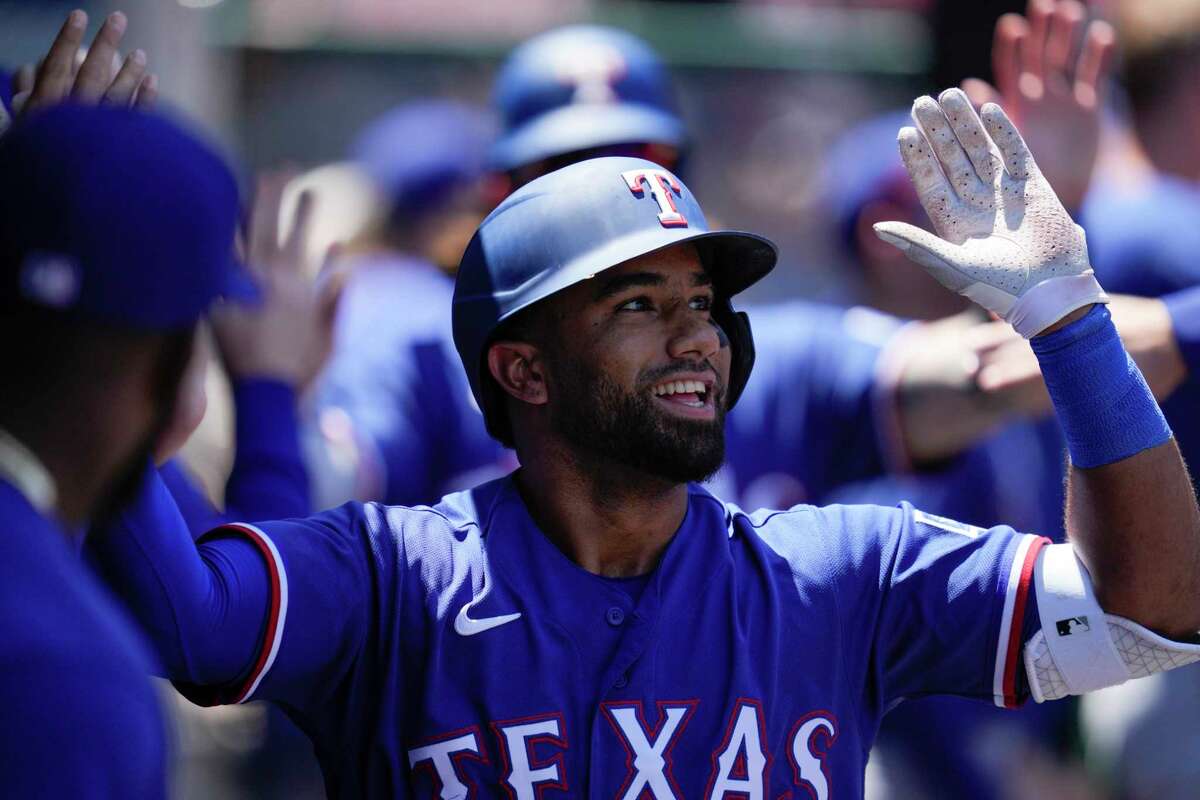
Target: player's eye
636 304
702 302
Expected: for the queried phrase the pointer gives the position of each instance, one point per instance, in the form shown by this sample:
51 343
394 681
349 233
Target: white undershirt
20 467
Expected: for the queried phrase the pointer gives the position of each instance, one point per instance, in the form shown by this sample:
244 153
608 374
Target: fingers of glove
1065 25
96 72
969 131
936 255
955 164
934 191
1013 151
1094 60
1011 29
54 74
128 79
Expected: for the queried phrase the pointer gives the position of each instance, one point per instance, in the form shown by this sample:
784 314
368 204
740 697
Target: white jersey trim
1016 595
276 614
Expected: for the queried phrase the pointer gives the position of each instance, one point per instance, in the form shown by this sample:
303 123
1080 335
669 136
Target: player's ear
518 368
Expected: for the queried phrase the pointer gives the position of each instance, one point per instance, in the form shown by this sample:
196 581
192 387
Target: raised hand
100 77
1050 68
1003 238
288 336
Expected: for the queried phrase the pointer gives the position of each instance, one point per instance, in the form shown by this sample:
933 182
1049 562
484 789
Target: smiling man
596 623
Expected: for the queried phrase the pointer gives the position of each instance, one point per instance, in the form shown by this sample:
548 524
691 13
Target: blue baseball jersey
78 715
439 651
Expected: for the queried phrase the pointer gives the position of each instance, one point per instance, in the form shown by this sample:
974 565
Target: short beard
600 419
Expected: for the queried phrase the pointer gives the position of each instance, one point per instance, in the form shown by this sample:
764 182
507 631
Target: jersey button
615 616
622 681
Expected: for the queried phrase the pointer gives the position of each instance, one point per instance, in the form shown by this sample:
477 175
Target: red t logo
661 184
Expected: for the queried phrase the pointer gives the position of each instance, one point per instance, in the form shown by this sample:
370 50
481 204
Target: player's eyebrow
619 283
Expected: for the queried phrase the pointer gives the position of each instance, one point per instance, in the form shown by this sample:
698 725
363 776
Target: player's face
639 368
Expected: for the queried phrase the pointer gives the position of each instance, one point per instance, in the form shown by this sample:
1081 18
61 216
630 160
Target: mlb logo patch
1070 625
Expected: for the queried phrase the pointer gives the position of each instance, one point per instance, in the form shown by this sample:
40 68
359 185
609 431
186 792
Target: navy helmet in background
585 87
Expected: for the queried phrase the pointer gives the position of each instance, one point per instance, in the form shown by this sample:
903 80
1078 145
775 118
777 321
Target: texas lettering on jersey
527 755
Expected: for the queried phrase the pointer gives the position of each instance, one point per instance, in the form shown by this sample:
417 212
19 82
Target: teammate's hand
100 76
1009 369
1050 68
1003 238
288 336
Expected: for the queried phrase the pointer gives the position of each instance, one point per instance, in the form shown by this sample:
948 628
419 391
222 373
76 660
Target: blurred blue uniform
1144 242
396 376
1143 239
80 718
815 412
413 645
394 379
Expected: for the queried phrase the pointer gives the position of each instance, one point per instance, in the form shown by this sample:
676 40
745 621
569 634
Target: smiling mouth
689 393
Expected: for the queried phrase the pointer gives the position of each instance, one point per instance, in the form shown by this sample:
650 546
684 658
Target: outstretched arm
1004 240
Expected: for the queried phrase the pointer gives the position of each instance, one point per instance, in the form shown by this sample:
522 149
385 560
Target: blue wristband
1102 401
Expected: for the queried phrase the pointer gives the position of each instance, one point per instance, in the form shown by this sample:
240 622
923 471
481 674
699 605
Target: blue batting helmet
569 225
581 87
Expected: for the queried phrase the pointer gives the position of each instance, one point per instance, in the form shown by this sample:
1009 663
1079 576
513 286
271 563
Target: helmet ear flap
736 325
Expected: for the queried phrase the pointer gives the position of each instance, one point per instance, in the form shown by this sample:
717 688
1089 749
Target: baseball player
597 623
100 305
394 380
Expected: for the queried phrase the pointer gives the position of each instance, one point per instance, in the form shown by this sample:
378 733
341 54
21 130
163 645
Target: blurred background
764 86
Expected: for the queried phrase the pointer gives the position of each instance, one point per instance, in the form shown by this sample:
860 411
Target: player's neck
611 521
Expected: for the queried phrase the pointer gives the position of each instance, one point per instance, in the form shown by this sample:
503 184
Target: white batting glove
1003 238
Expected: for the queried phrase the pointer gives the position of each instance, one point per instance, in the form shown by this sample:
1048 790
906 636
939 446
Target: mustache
683 367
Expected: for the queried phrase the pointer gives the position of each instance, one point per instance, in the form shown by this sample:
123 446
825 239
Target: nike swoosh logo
465 626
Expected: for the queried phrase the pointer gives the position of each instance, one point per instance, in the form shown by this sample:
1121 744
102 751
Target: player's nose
694 336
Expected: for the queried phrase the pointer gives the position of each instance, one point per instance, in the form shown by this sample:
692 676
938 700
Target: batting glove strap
1049 301
1080 648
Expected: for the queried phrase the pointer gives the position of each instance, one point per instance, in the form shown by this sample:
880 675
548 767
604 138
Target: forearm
203 607
1131 511
269 479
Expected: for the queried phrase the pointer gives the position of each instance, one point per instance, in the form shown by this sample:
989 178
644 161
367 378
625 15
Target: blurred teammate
100 308
393 412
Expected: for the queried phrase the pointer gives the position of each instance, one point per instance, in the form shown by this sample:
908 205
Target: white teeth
680 387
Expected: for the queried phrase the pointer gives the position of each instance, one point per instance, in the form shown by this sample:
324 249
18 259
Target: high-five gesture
100 77
1050 68
1003 238
288 336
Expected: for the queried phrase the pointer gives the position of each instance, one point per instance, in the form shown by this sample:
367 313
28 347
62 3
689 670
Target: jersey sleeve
929 605
269 479
320 574
276 610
